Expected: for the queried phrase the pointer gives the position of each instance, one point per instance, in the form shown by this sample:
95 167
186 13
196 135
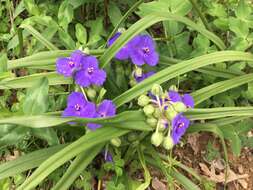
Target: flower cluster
83 68
79 106
164 111
86 72
140 50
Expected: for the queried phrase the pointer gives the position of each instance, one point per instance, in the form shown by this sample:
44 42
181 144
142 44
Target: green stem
20 40
202 17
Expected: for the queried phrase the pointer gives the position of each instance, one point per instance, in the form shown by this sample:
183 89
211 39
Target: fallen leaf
243 183
220 178
158 185
193 140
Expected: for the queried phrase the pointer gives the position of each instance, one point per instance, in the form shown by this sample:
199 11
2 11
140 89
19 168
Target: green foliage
204 50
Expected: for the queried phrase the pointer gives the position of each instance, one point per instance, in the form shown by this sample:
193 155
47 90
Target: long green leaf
27 161
219 87
76 168
45 58
39 37
213 113
30 80
148 21
134 120
82 144
178 69
210 70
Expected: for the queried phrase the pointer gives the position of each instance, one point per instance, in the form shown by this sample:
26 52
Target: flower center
90 70
145 50
102 114
77 107
181 125
71 64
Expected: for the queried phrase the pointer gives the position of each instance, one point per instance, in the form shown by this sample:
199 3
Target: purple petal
144 76
123 53
137 58
106 108
76 98
179 126
114 38
64 67
77 57
188 100
82 79
89 111
90 61
98 77
174 96
152 59
93 126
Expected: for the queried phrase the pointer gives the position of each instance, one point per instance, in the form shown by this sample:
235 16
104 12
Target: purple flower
123 53
174 96
142 50
179 126
78 106
144 76
105 109
108 156
188 100
68 65
90 74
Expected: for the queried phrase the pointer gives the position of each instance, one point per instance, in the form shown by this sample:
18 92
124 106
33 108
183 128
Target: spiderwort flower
78 106
142 50
108 156
68 65
144 76
179 125
90 73
105 109
123 53
174 96
188 100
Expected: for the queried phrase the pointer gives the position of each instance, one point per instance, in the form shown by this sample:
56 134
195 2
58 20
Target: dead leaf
193 140
220 178
243 183
218 164
158 185
10 157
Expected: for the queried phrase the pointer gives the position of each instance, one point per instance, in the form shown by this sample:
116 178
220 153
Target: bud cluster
164 111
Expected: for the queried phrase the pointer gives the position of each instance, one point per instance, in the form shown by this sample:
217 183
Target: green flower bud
161 125
157 90
157 113
138 72
116 142
91 93
148 109
132 137
152 121
121 30
168 143
170 113
157 138
143 100
173 88
132 82
179 106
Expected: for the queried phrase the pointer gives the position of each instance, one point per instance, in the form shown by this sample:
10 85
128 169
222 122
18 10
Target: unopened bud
148 110
168 143
132 82
91 93
157 90
121 30
173 88
152 121
157 113
116 142
138 72
132 136
143 100
179 106
157 138
171 113
162 125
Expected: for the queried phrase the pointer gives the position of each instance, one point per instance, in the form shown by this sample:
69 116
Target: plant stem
202 17
20 40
